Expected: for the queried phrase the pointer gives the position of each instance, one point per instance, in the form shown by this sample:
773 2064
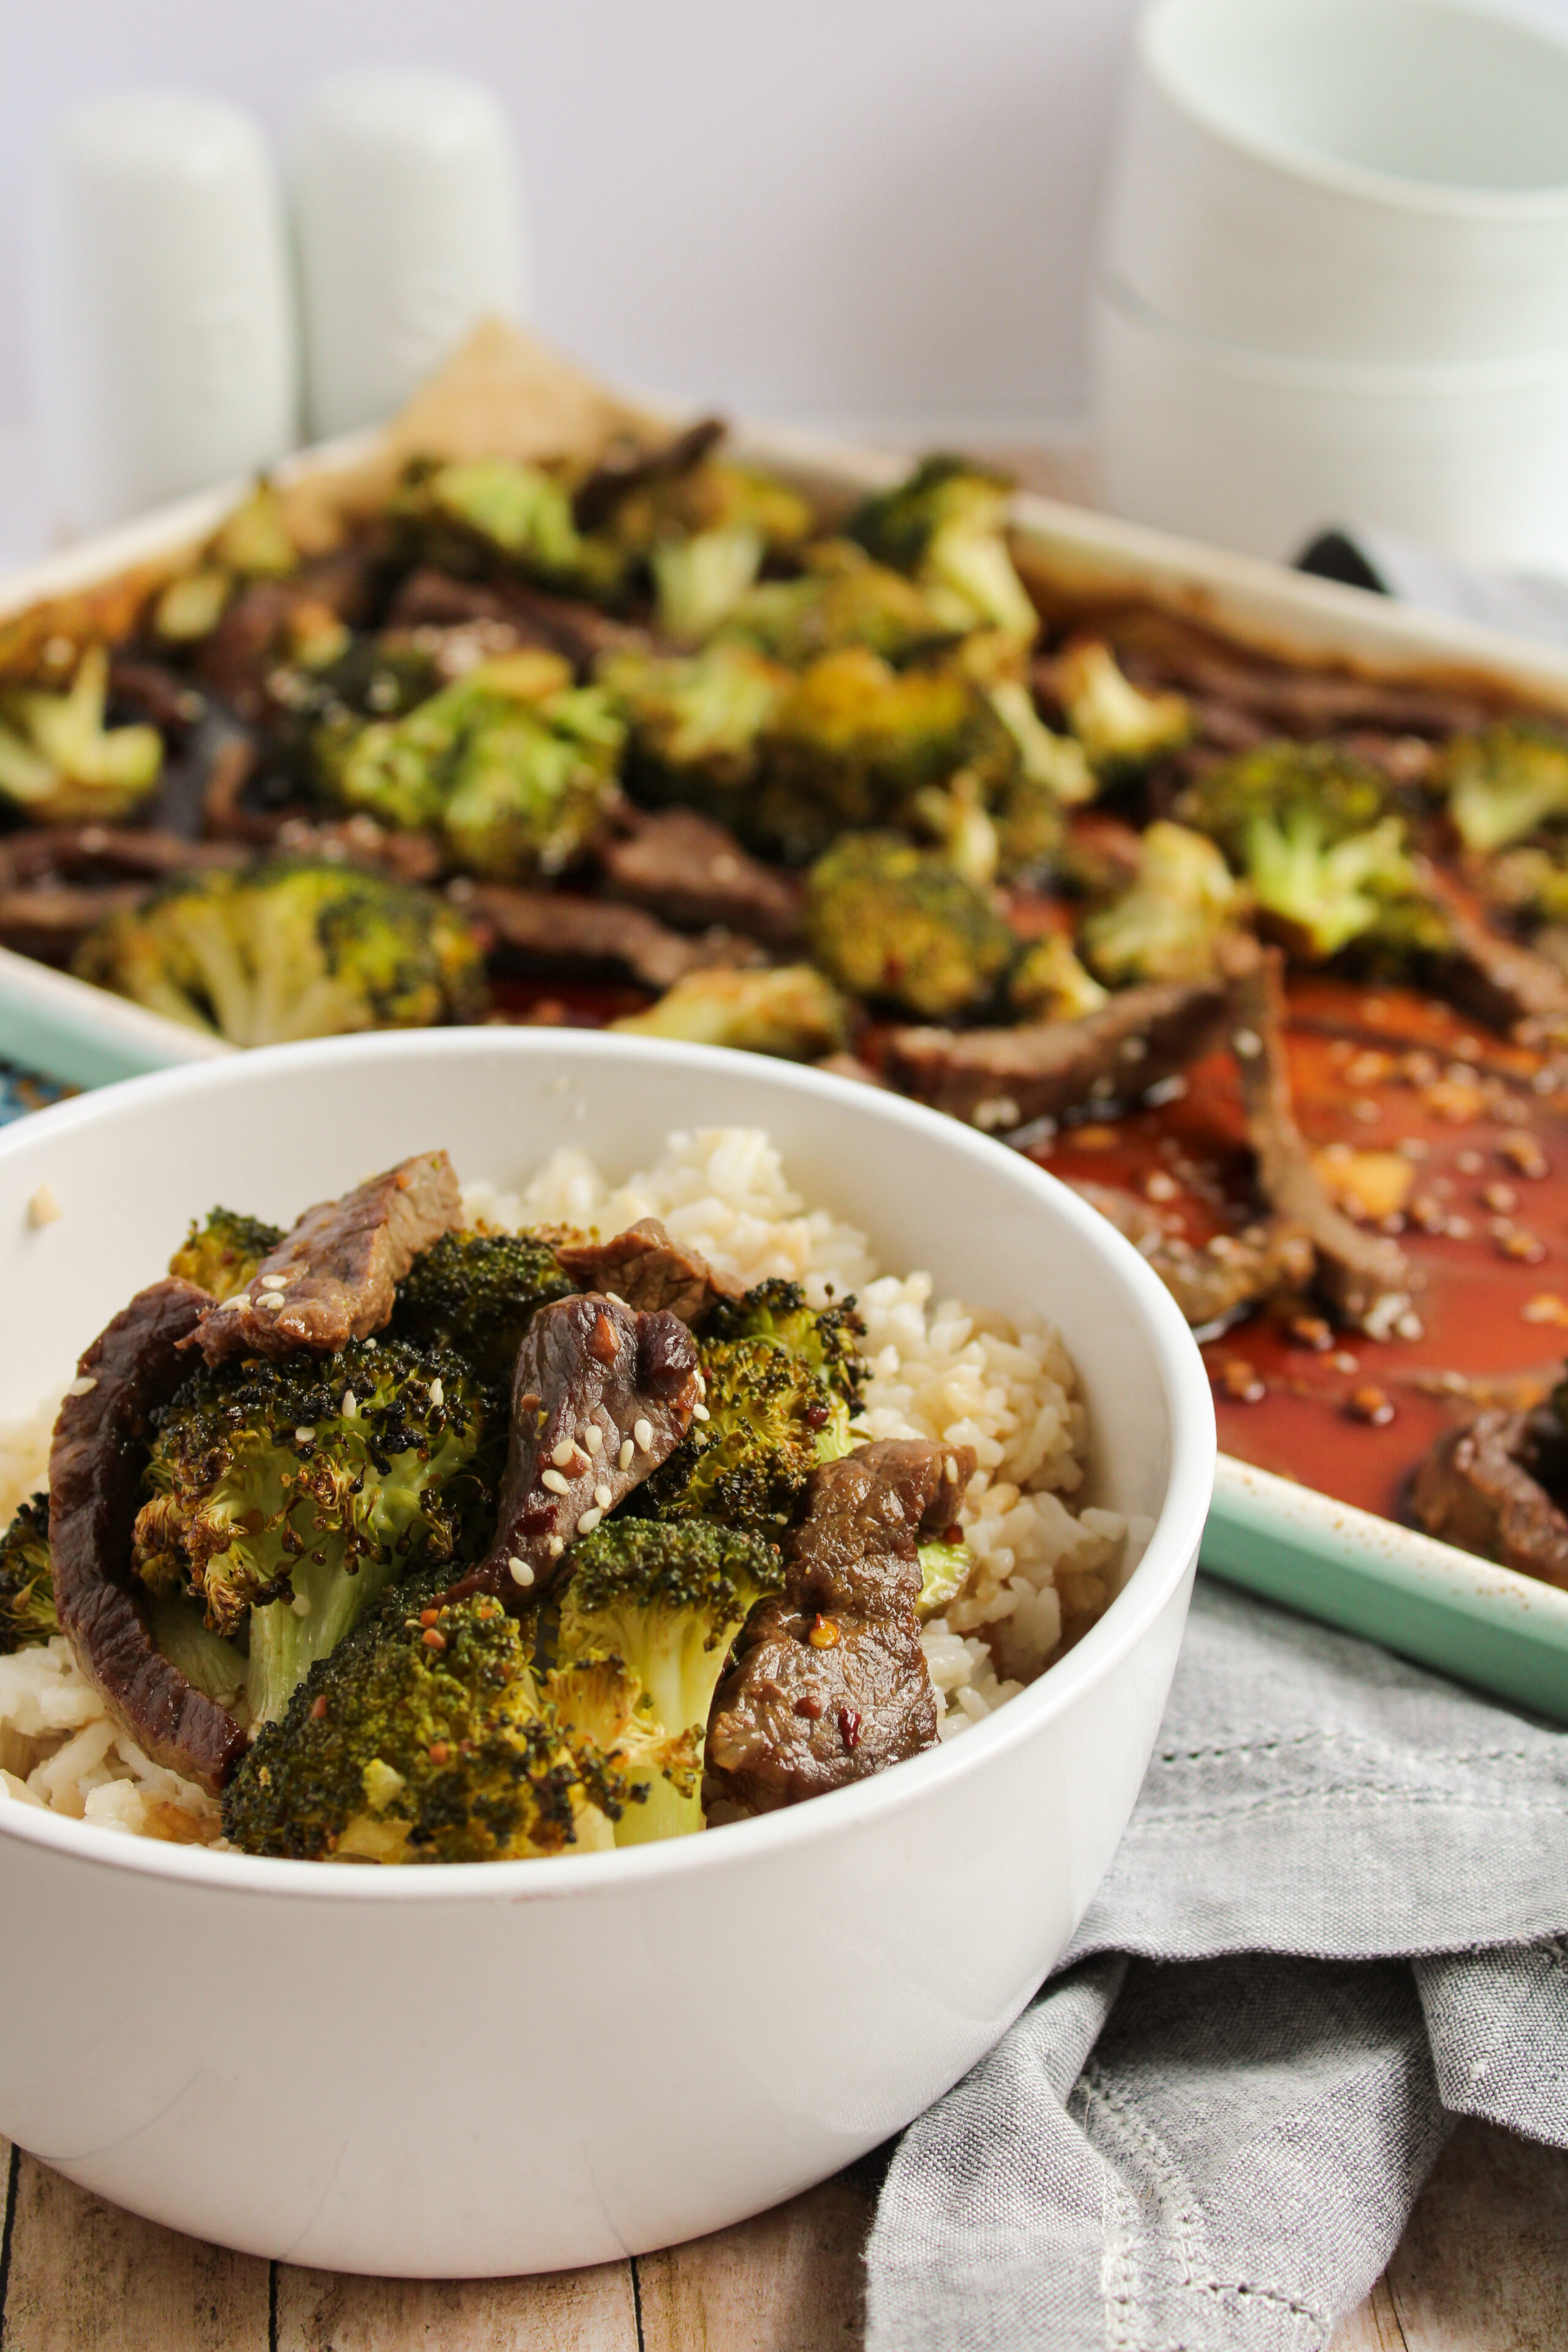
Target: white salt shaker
408 229
163 303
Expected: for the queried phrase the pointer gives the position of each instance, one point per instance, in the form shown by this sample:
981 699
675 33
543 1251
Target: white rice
942 1369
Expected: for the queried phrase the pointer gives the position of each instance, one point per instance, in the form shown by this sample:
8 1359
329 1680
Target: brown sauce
1379 1070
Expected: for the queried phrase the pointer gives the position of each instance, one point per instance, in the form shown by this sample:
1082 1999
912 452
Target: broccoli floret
960 825
497 512
285 1494
666 1601
903 926
841 599
781 1384
425 1737
478 1293
290 948
790 1010
1319 894
1503 782
1343 794
1049 984
704 533
697 722
58 761
26 1578
945 1569
513 764
1121 729
946 528
223 1254
1166 925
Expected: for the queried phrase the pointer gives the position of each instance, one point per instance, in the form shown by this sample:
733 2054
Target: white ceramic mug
408 227
165 327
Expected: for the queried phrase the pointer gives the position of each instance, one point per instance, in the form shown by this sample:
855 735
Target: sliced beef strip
561 929
335 1273
1505 984
1475 1487
1214 1284
632 467
1157 651
601 1396
692 872
579 633
1002 1078
49 921
652 1273
828 1683
234 658
108 853
1365 1278
95 1474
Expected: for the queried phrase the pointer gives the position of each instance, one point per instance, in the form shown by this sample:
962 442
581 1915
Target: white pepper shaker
167 354
408 229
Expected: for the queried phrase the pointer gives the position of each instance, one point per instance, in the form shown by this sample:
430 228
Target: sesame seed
301 1604
432 1639
1246 1044
603 1497
555 1482
272 1281
625 1456
698 1383
438 1393
949 1468
555 1547
370 1343
643 1433
349 1404
701 1412
563 1452
593 1437
83 1385
305 1436
268 1299
589 1521
520 1570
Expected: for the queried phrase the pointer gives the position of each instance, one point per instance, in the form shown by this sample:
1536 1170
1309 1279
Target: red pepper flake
319 1709
1524 1155
1427 1214
439 1751
808 1707
824 1633
1520 1245
954 1534
849 1725
1310 1331
604 1344
1501 1198
1371 1404
432 1640
1241 1382
429 1616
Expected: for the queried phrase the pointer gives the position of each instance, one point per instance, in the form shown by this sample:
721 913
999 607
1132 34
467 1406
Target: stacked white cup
1333 281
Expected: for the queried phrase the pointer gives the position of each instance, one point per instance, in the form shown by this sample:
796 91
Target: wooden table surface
1483 2267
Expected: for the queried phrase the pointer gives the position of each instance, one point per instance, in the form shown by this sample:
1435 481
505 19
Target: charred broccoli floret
1166 925
513 764
59 762
903 926
666 1601
477 1292
842 598
485 513
285 1494
26 1578
1049 983
290 949
790 1010
1276 781
1503 782
697 722
253 543
781 1384
1120 727
222 1254
427 1738
703 532
946 528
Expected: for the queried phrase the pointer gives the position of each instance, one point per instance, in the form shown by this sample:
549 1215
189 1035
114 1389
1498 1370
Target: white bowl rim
1390 379
1390 190
1166 1560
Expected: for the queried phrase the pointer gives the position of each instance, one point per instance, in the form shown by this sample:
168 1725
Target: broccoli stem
286 1641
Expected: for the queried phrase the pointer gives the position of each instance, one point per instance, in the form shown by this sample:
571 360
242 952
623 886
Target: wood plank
86 2277
790 2281
1483 2265
1372 2327
568 2311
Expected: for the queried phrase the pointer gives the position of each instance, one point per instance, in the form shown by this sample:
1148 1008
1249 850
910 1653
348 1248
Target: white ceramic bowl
1347 179
1256 452
518 2066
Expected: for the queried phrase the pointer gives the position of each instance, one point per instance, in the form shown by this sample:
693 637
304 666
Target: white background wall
874 212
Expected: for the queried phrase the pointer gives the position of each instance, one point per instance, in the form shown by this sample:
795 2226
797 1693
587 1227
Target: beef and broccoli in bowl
445 1526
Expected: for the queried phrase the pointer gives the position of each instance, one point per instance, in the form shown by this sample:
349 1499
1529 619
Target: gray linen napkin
1338 1919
